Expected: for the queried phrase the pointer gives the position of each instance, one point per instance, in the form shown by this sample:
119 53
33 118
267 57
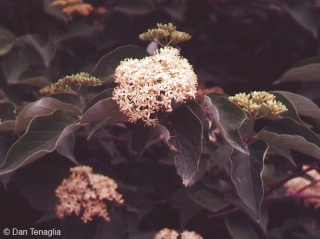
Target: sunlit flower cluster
85 194
307 186
150 85
70 84
73 7
172 234
165 35
259 103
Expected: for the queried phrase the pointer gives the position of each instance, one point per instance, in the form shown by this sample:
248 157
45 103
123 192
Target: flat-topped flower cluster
308 186
259 103
149 85
167 233
84 193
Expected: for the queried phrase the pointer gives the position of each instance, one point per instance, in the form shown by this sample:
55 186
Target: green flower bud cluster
165 35
70 84
259 104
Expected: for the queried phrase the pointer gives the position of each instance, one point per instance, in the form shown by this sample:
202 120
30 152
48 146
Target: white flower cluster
172 234
308 187
84 193
150 85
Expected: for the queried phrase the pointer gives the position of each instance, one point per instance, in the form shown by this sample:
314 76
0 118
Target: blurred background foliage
236 45
239 45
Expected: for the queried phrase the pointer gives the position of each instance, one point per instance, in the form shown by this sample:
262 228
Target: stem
225 212
146 202
294 196
308 186
251 130
81 100
283 181
247 138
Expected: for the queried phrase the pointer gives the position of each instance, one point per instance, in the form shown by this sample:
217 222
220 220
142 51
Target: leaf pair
246 163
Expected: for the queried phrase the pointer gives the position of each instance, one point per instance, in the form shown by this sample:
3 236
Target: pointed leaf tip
186 136
302 105
105 67
289 134
43 136
228 118
246 175
144 136
43 106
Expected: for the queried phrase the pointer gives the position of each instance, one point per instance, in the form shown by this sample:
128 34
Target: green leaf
285 152
13 65
309 72
46 49
95 126
6 41
199 112
43 106
246 175
228 117
101 103
36 81
101 96
117 228
8 125
76 30
43 136
104 69
292 111
37 184
144 136
175 9
303 12
205 198
236 201
239 228
187 208
308 61
65 148
135 7
7 110
103 109
186 136
202 168
304 235
302 105
69 99
289 134
220 153
6 140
